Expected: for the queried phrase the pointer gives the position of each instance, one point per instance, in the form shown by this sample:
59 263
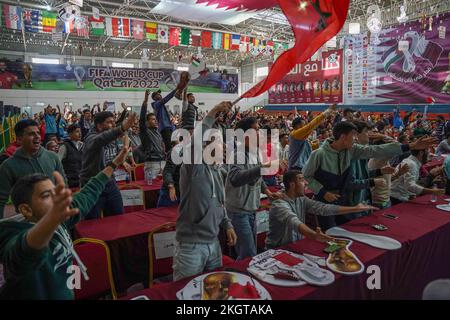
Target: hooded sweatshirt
287 214
94 152
152 141
244 186
20 164
43 274
202 205
328 170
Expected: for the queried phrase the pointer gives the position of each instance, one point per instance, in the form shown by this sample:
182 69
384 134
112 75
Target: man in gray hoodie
243 188
201 212
100 148
287 215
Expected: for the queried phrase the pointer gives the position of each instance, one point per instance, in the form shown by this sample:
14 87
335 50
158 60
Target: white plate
141 298
263 265
193 290
445 207
381 242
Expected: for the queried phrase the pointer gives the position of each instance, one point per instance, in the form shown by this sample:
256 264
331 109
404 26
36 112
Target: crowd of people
61 167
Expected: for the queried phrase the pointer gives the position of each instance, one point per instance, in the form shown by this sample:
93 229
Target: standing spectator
50 122
444 146
162 116
190 111
52 146
152 140
100 148
85 122
440 128
70 155
284 147
30 158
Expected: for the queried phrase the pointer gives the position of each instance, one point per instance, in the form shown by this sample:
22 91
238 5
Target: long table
424 232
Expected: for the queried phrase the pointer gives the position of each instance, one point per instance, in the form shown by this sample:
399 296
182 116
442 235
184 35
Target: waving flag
13 17
313 22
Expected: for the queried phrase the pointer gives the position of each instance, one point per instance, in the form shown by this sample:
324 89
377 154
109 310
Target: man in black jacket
151 139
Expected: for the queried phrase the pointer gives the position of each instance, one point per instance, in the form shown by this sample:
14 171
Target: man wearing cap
299 146
70 155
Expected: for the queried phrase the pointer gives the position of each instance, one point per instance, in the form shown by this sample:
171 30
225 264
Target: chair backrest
161 243
139 173
95 256
133 197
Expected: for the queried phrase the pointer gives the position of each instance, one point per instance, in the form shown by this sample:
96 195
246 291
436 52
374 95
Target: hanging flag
68 26
235 41
206 39
185 36
82 26
174 36
13 17
196 38
254 47
138 29
313 24
95 13
229 12
163 34
226 41
48 21
244 45
32 20
150 30
269 48
97 26
124 27
112 26
279 48
217 40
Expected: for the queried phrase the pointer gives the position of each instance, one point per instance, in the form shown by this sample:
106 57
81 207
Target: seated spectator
444 146
287 215
406 187
30 158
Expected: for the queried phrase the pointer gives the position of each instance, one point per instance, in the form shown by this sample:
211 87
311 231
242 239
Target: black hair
86 110
347 110
101 117
189 94
246 123
149 115
297 121
72 128
22 191
289 176
282 135
343 127
20 126
361 125
401 138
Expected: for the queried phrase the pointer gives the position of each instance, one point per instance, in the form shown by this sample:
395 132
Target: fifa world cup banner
18 75
311 82
404 64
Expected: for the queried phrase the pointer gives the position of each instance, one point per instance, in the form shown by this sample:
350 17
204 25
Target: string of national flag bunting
48 22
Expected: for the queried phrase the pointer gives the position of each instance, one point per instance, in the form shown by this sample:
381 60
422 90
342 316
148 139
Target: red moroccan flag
206 39
313 22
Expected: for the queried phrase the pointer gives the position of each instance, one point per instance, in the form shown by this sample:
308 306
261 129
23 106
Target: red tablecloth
424 232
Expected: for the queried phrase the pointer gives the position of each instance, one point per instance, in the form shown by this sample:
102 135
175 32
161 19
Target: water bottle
148 176
434 196
127 178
